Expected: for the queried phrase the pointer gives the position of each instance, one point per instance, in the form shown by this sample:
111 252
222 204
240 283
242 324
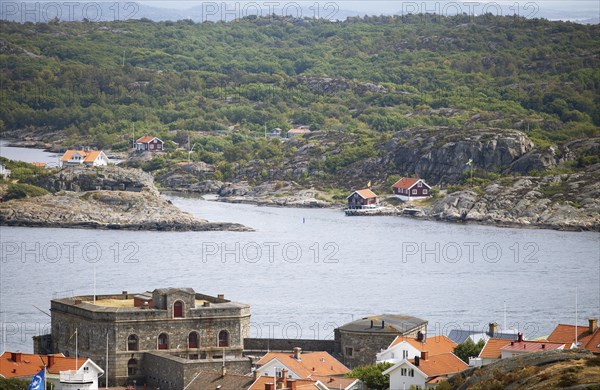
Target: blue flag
38 382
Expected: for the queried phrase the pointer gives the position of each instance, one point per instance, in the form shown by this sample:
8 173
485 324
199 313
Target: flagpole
76 350
106 373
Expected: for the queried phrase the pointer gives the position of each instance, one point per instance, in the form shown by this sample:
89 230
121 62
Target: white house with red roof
65 373
424 372
408 347
318 366
93 158
411 188
149 143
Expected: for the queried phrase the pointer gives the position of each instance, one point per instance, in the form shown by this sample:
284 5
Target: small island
107 197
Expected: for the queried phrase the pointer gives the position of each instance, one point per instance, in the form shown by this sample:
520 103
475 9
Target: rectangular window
420 184
414 192
424 191
411 372
404 354
349 351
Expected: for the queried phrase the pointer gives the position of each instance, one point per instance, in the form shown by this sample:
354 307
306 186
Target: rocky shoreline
106 198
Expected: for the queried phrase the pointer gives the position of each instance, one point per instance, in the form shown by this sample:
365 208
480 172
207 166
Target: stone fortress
125 327
165 337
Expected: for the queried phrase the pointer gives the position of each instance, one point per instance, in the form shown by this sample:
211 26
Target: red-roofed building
71 373
424 372
516 348
149 143
409 347
314 366
410 188
588 337
362 198
82 157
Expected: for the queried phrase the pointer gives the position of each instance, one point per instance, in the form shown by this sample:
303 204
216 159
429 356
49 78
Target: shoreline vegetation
500 115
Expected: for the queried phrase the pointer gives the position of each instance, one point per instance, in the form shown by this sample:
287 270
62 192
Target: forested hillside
95 79
386 97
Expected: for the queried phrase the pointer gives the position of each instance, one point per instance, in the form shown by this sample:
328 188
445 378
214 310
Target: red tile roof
301 384
27 364
446 363
566 334
145 139
310 363
406 183
491 349
531 346
334 382
366 193
435 345
90 156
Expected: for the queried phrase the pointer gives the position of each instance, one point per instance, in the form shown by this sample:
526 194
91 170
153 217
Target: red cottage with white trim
410 188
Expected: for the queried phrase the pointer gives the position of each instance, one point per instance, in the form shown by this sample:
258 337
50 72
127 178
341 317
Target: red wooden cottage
150 143
410 188
361 198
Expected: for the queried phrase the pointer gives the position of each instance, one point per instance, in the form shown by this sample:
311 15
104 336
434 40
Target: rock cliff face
565 202
100 178
440 156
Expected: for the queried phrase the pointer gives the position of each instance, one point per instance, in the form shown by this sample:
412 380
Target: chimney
382 324
371 323
420 337
493 329
50 360
124 293
297 353
291 384
206 304
424 355
255 374
269 386
284 374
520 337
417 361
512 343
220 296
543 346
593 324
16 357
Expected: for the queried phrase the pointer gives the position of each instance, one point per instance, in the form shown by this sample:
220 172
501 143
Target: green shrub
19 191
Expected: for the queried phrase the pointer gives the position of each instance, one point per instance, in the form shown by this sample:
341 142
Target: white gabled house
83 378
64 373
407 348
93 158
424 372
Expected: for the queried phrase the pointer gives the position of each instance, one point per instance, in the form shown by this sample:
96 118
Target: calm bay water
306 271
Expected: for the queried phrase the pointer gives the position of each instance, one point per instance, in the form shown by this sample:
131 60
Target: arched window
193 340
223 339
132 367
132 343
178 309
163 341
